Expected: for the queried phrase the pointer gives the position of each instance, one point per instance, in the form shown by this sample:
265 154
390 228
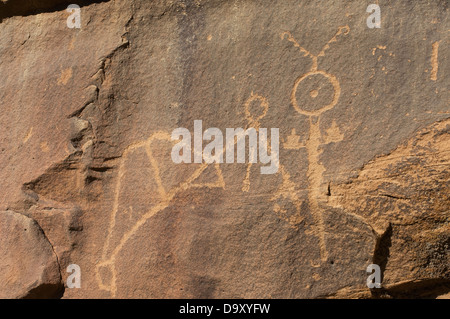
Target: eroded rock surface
29 267
363 116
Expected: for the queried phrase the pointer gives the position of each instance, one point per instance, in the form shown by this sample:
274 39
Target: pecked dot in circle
313 92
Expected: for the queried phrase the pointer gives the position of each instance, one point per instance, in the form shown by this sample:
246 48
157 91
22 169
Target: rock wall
87 176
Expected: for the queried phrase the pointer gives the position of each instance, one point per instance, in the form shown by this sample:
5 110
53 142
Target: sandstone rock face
29 267
85 149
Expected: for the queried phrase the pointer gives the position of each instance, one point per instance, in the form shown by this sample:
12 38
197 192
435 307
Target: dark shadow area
46 291
425 289
31 7
421 289
381 253
381 256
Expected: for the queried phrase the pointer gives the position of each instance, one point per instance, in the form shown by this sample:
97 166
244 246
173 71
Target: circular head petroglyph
254 118
314 93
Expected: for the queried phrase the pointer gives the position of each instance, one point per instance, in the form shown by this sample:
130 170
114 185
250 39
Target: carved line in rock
435 61
287 189
108 261
315 140
255 123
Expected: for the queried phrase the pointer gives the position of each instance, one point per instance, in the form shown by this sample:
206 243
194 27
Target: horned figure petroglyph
116 239
316 192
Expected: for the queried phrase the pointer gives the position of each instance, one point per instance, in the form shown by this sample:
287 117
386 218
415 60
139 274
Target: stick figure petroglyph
111 250
315 139
254 122
287 192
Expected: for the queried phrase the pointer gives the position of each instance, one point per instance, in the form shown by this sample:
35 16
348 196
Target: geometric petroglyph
287 201
161 195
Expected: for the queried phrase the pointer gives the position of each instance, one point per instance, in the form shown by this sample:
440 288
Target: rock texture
85 149
29 267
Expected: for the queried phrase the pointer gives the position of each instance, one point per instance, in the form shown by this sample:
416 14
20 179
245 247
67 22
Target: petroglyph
316 193
256 108
253 120
288 199
66 75
435 61
333 134
293 142
106 268
344 30
287 190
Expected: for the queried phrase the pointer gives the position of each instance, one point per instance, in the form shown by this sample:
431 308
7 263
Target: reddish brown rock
363 115
28 265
